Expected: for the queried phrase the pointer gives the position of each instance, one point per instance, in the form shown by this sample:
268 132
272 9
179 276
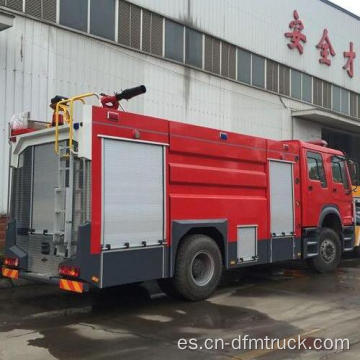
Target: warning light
66 270
11 262
95 279
223 136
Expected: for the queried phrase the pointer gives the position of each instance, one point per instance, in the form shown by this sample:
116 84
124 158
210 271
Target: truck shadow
137 321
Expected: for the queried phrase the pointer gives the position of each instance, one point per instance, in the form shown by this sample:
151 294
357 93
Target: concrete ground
136 322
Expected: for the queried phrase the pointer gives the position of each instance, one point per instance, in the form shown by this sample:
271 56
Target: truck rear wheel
198 268
329 252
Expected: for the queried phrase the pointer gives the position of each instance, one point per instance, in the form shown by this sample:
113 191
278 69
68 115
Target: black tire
329 256
198 267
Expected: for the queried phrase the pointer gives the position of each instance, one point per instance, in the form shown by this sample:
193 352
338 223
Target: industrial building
278 69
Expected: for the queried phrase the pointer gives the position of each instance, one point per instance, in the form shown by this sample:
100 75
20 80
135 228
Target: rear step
310 243
349 239
45 278
348 244
63 284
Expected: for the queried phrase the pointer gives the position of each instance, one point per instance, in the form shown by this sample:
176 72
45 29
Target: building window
135 24
212 54
272 75
344 101
318 92
194 48
33 8
353 104
74 14
49 10
228 60
174 41
146 31
336 98
45 9
152 33
327 95
129 25
244 66
284 80
306 88
124 23
296 84
102 18
15 4
258 71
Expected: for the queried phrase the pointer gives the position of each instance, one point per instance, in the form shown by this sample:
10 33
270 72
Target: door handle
310 188
334 190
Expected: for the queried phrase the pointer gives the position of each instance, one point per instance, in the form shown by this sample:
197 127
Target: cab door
315 187
341 188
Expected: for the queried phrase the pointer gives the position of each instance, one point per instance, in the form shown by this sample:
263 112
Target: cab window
354 170
316 167
339 171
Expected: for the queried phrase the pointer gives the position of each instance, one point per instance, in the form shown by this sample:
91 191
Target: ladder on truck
67 187
64 202
64 231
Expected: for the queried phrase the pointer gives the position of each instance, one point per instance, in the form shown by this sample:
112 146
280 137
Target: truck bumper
63 284
20 274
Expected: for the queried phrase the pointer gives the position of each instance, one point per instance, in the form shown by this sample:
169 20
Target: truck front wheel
329 252
198 267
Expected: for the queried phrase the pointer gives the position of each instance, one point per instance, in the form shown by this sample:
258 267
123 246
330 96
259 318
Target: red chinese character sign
297 39
350 55
326 49
296 35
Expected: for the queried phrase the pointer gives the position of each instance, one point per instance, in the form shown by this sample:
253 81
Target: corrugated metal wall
38 61
259 26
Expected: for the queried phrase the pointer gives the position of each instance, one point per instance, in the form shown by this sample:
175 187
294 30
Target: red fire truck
113 198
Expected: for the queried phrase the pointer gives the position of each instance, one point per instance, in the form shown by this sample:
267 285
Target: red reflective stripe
10 273
73 286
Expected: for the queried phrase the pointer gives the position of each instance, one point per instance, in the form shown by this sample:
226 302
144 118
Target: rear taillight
66 270
11 262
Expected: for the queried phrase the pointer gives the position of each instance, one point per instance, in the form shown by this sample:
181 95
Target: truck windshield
354 170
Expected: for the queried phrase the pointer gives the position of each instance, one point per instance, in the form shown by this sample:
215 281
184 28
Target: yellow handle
63 106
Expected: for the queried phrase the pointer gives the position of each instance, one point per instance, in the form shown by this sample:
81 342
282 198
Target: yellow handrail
64 106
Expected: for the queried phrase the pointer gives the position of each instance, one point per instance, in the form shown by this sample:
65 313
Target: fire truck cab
114 198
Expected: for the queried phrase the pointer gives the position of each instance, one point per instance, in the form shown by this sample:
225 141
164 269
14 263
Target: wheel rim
202 268
328 251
